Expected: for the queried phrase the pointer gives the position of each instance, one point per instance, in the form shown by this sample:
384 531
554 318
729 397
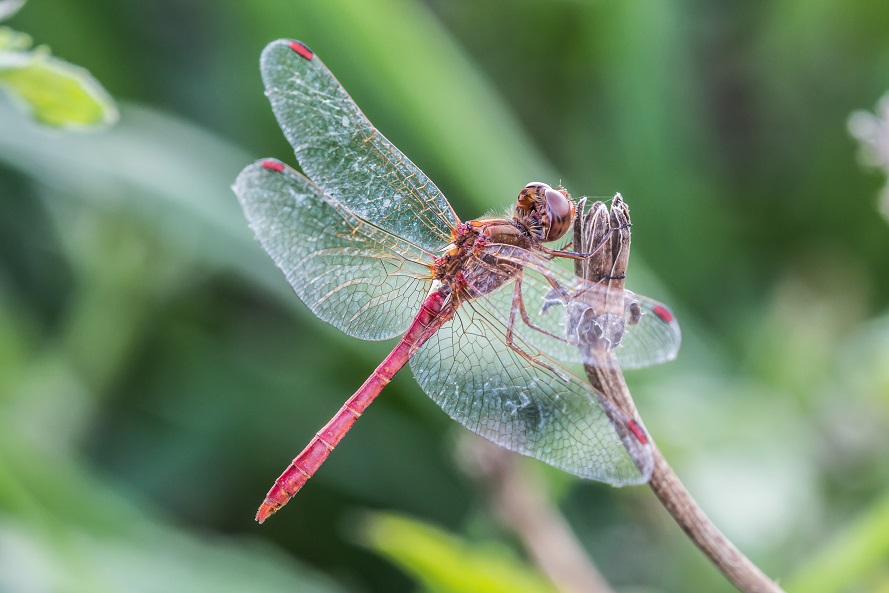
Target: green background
157 374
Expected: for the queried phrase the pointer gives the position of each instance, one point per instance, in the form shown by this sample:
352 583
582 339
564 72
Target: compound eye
528 197
560 213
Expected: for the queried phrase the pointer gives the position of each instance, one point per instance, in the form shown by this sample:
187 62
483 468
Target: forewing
467 369
345 155
359 278
569 319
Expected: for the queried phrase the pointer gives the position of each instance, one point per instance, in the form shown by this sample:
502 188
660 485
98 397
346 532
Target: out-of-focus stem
525 508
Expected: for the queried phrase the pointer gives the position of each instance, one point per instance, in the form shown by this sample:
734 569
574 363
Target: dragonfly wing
579 319
345 155
651 339
361 279
489 388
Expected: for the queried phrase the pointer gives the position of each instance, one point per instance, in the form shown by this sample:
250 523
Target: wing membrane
469 371
345 155
583 319
359 278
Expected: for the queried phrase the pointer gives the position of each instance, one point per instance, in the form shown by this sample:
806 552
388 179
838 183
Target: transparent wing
360 279
467 369
651 334
578 320
345 155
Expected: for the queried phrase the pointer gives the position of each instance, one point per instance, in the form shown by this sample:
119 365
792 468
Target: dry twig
610 264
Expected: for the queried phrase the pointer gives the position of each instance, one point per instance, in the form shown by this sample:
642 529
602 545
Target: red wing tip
273 166
302 49
663 313
638 432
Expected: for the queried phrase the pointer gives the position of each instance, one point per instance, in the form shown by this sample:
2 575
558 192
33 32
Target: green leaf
55 92
444 563
9 8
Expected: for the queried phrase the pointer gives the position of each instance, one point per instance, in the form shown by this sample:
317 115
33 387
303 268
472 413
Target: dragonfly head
547 209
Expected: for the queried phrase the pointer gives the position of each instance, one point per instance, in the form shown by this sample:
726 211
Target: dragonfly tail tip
265 511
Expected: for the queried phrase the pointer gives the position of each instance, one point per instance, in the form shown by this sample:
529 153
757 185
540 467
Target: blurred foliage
86 538
872 131
862 549
9 8
156 372
445 564
52 91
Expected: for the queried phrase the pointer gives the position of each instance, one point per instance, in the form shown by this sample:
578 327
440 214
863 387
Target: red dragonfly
371 246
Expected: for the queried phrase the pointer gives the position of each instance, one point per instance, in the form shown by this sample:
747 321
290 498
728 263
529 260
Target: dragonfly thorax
474 264
471 267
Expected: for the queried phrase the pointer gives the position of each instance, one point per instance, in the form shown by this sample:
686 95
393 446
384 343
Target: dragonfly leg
518 302
578 255
518 305
557 288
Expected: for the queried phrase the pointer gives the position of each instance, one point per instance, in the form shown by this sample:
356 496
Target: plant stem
609 233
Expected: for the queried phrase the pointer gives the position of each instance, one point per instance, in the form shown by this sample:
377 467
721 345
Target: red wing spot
273 166
303 50
663 313
638 432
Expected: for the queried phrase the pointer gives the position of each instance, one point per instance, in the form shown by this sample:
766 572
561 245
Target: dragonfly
372 246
